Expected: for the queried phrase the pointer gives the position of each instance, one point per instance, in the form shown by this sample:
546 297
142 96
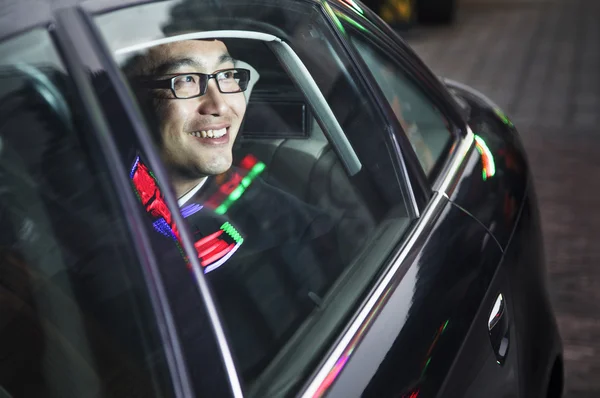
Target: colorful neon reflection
487 158
336 20
212 250
438 334
256 168
343 359
504 118
354 6
352 22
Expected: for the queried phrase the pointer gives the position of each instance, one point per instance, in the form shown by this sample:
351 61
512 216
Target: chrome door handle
498 329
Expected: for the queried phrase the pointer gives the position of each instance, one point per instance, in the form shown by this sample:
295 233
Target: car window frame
23 17
395 156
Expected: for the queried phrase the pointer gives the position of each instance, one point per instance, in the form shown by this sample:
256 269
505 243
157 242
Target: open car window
285 173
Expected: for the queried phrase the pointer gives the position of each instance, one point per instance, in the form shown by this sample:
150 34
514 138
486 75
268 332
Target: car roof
17 16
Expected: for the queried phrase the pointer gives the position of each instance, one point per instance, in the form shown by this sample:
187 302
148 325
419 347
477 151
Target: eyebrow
170 65
167 66
225 57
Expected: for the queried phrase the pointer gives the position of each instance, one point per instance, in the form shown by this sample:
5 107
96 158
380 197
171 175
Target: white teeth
219 133
209 133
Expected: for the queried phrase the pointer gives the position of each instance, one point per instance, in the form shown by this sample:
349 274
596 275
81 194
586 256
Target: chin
216 168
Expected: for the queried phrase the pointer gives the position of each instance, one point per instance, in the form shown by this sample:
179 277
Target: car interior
281 130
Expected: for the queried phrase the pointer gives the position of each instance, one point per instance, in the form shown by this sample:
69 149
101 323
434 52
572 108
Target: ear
254 76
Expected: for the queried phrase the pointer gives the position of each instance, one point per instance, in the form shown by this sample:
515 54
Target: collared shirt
185 198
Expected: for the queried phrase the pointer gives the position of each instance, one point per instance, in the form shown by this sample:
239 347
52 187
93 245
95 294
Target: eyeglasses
190 85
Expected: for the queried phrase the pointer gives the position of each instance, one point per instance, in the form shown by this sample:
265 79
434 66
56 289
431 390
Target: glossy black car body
459 310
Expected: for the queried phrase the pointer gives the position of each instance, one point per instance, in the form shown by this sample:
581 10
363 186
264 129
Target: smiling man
199 103
193 94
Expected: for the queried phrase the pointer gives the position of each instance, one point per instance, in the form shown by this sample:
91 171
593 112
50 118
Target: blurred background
540 61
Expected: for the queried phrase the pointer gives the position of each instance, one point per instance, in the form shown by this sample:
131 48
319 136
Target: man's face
184 122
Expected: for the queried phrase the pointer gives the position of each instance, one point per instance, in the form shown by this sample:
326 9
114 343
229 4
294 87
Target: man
194 95
197 128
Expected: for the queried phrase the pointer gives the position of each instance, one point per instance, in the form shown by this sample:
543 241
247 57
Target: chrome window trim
373 305
461 148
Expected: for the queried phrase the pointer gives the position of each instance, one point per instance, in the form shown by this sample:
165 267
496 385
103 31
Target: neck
183 186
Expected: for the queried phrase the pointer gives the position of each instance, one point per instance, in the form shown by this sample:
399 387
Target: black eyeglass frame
150 83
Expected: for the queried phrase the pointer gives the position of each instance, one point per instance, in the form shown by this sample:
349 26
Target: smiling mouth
209 133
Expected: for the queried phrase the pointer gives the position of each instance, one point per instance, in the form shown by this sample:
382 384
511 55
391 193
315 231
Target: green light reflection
334 16
240 189
504 118
352 22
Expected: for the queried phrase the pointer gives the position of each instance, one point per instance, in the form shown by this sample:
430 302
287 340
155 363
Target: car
378 234
402 14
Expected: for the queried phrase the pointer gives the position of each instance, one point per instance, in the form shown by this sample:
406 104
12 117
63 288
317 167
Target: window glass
75 317
282 165
427 129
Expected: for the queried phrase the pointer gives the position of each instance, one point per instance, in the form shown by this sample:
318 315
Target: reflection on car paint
487 158
503 117
343 359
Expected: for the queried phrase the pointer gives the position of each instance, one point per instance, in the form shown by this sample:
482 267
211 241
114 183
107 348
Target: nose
213 101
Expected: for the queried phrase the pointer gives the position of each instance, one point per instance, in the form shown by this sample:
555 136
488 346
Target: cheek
173 117
238 105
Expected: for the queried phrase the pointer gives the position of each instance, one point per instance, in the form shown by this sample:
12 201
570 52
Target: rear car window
288 182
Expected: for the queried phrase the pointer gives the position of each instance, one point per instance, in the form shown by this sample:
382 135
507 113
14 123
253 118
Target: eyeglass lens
228 81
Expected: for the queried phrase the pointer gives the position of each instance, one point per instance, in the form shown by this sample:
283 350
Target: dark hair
133 68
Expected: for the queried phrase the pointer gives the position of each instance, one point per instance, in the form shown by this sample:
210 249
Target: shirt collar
185 198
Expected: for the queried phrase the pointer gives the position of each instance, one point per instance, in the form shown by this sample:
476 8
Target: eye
226 75
184 80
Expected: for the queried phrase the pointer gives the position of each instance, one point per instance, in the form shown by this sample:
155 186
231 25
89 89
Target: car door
457 276
83 309
293 329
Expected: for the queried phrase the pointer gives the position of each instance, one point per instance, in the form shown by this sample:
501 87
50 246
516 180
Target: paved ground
540 61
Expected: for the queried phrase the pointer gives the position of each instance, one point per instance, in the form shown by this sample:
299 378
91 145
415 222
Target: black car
374 232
